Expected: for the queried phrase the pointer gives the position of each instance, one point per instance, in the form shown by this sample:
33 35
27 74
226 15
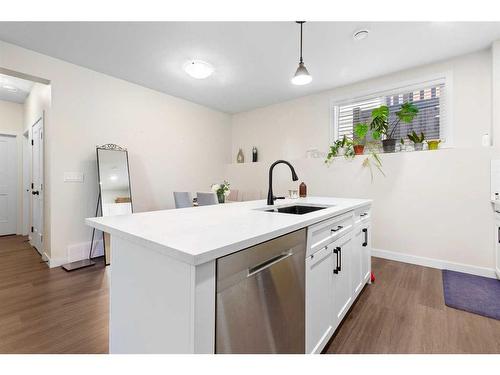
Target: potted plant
341 147
222 190
380 124
418 140
433 144
359 139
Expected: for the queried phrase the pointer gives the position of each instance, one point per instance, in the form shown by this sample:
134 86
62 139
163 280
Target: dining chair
183 199
206 199
233 196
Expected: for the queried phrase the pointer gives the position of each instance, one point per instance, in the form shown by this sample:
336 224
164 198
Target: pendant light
302 76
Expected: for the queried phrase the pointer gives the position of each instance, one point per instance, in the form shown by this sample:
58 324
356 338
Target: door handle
268 263
336 252
340 256
35 192
365 231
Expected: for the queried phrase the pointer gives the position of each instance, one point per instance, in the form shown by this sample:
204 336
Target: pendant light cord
301 23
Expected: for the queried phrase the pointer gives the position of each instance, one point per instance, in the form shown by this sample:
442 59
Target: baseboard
434 263
80 251
75 253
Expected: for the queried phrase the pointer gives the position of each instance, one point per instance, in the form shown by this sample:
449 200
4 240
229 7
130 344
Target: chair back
183 199
233 196
206 199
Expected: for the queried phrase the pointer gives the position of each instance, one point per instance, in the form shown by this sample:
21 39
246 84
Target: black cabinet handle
363 214
336 252
365 231
339 227
35 192
498 236
340 255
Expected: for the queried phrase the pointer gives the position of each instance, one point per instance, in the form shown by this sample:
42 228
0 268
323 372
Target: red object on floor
372 277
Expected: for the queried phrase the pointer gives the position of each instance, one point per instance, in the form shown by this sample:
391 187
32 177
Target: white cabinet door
366 252
319 302
342 291
356 260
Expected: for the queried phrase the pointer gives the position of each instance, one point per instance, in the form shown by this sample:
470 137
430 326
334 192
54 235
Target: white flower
215 187
227 192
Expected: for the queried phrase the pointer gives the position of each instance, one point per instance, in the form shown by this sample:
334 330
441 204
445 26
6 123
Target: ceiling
253 61
13 89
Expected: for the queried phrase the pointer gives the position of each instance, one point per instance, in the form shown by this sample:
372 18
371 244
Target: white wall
173 144
11 123
431 204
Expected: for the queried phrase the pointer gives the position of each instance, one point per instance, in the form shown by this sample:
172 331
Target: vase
389 145
221 197
240 158
359 149
418 146
434 144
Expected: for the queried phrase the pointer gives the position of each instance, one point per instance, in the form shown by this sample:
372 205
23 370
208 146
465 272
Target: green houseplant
222 190
340 147
381 124
359 139
418 140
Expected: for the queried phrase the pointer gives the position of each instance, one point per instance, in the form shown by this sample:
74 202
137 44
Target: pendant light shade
302 76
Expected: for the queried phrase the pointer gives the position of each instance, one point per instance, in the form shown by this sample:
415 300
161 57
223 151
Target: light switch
73 176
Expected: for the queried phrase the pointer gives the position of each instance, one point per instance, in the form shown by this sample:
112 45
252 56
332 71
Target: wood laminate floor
404 312
46 310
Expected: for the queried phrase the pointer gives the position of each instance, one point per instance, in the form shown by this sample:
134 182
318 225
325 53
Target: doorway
37 185
8 184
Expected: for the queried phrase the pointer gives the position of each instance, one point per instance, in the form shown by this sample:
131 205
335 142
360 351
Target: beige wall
11 123
430 204
173 144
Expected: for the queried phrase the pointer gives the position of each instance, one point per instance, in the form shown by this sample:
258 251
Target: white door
356 260
366 265
37 185
8 185
342 291
319 302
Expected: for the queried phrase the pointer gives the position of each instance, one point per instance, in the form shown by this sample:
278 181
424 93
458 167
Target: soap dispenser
302 190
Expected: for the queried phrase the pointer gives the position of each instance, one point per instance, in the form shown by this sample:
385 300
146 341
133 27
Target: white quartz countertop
196 235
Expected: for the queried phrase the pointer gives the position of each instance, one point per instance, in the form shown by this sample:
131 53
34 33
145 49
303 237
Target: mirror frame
105 236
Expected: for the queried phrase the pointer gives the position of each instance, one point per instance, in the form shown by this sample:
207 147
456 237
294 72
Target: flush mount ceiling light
198 69
360 34
302 76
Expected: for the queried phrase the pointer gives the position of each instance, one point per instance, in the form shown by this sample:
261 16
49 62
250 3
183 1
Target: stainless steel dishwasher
260 298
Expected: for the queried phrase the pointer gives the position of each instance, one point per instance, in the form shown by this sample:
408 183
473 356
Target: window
428 97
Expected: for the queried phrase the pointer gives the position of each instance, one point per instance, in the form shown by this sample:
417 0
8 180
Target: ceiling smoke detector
360 34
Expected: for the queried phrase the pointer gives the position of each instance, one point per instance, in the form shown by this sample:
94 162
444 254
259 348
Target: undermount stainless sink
296 209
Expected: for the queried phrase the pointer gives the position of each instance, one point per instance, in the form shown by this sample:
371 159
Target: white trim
387 89
433 263
14 136
7 134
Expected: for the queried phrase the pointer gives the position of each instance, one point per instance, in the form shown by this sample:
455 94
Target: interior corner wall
173 144
11 123
430 205
37 105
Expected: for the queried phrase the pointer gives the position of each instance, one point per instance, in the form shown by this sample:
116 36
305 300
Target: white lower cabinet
366 252
335 275
319 306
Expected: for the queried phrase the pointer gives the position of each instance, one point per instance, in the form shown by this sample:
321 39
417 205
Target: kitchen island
163 286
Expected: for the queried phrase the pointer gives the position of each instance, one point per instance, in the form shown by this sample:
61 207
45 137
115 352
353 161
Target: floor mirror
114 186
